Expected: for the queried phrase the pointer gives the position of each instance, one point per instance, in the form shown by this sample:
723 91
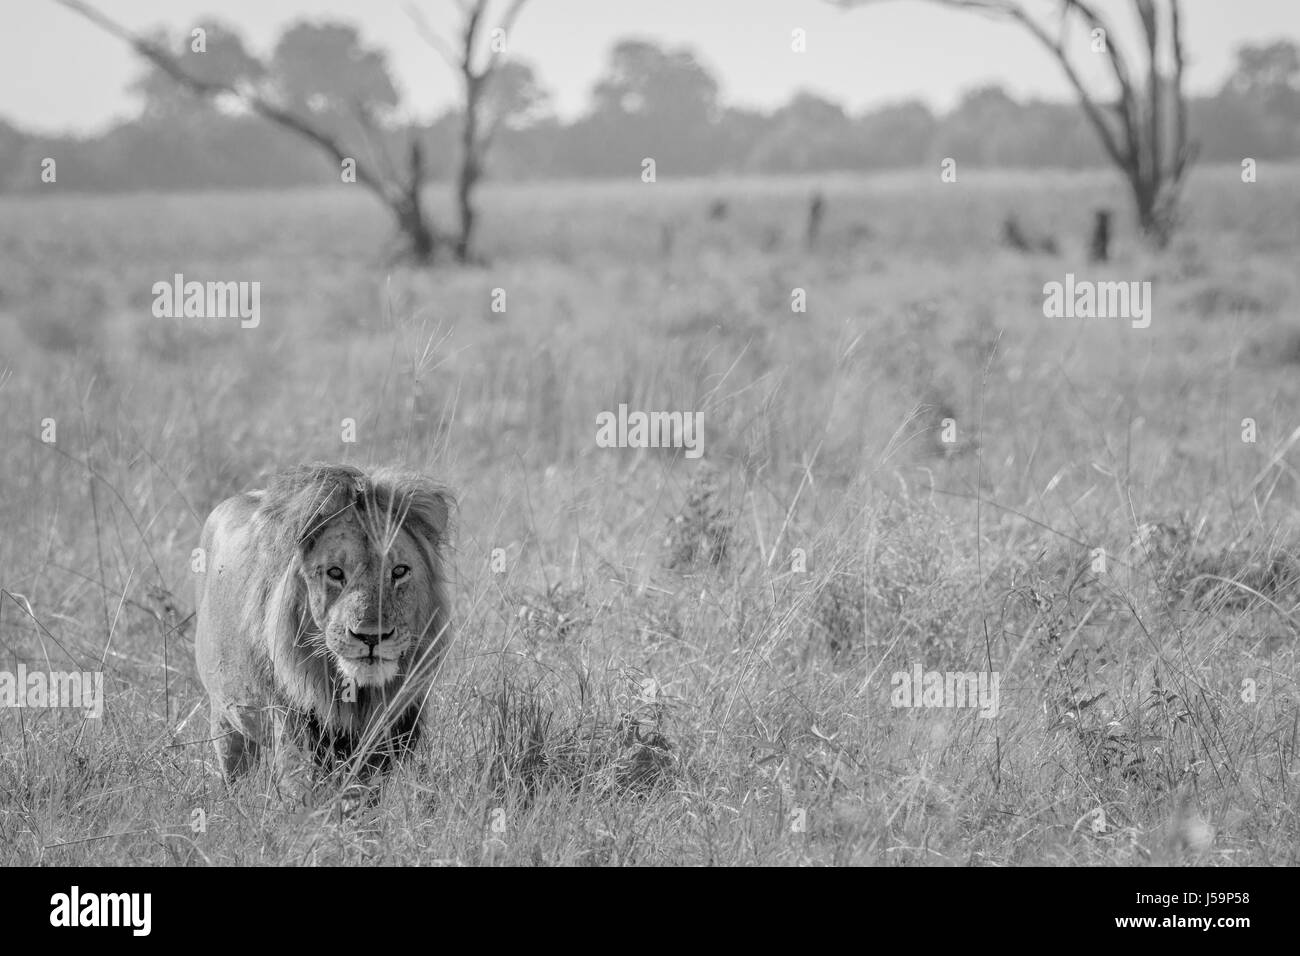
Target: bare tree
476 73
1144 132
398 190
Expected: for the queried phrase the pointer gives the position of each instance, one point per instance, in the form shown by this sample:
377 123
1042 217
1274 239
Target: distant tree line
651 101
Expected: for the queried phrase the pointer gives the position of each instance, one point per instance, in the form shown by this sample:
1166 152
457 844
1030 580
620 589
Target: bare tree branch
402 199
1137 146
507 25
1016 12
1119 67
477 135
1184 152
379 155
1151 28
431 37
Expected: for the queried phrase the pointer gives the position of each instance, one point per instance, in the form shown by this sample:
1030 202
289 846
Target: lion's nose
371 635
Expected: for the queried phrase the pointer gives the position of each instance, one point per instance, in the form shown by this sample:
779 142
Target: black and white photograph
698 433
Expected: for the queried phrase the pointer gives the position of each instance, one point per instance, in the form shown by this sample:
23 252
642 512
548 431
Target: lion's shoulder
227 541
230 664
233 515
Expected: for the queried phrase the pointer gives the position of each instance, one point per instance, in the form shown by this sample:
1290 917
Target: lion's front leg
292 762
236 752
312 767
239 735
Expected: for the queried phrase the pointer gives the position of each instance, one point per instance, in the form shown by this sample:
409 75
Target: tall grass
652 679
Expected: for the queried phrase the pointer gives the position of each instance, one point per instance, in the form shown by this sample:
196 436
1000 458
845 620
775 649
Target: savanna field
675 661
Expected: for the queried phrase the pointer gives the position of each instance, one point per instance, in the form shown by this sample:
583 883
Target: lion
323 618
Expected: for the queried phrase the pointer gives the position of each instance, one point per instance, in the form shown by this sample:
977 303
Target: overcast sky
59 73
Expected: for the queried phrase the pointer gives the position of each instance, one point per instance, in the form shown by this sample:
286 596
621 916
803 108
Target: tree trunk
465 183
1155 209
468 175
421 238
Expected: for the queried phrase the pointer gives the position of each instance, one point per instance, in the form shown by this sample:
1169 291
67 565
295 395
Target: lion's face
370 603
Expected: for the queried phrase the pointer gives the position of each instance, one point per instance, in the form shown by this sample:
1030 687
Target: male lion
322 616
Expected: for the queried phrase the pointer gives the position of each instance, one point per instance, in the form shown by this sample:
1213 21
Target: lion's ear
431 506
302 501
425 505
437 511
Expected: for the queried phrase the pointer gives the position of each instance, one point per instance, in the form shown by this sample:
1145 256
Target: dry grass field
645 675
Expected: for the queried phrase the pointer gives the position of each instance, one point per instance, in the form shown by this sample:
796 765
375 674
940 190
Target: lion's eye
400 572
335 574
